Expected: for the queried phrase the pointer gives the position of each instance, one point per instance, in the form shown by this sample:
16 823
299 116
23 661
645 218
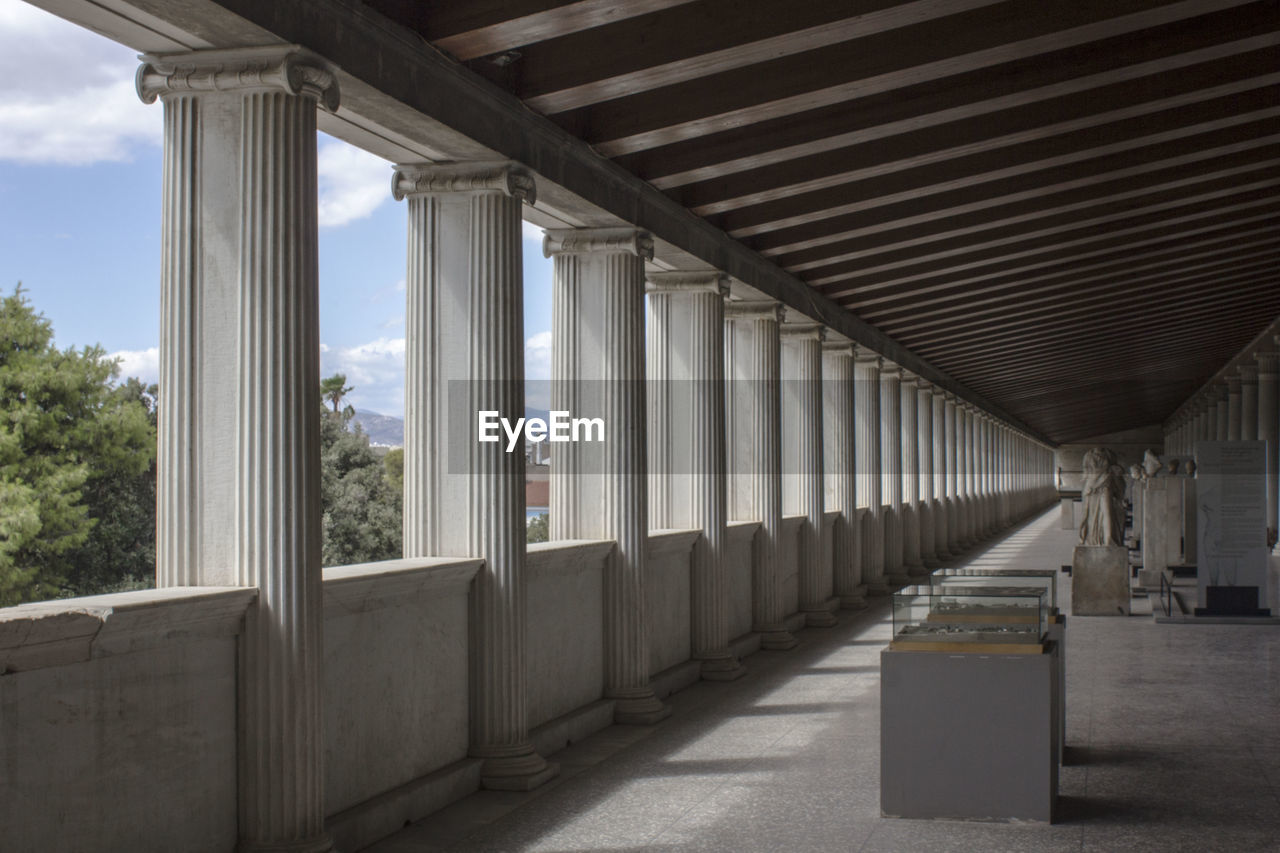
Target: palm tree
334 389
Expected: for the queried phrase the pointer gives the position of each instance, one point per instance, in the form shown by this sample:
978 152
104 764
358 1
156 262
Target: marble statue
1103 492
1190 468
1172 467
1151 464
1135 473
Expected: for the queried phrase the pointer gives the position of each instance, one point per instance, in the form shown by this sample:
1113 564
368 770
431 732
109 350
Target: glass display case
981 619
1043 578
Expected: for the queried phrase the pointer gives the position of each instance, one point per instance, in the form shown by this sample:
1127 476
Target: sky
80 173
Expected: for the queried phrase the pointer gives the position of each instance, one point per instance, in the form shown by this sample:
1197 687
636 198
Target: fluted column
980 474
911 559
464 354
1223 395
941 495
687 453
802 488
753 424
1269 431
599 489
964 460
1233 407
891 471
839 458
955 514
866 398
924 430
1249 402
1209 426
239 483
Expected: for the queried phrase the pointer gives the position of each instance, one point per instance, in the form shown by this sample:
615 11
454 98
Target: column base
779 640
818 618
877 587
897 580
854 600
320 844
639 710
916 571
517 768
722 667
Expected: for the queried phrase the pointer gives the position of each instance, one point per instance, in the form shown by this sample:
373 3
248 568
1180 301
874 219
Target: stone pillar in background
954 515
941 495
464 353
924 428
964 459
1269 431
891 471
687 452
911 559
983 474
1222 394
840 460
239 483
803 487
599 490
1233 407
1249 402
753 420
866 398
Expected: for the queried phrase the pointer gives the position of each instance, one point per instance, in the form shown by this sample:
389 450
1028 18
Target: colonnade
1243 404
715 409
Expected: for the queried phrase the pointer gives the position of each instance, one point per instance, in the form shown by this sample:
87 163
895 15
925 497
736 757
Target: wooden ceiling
1070 207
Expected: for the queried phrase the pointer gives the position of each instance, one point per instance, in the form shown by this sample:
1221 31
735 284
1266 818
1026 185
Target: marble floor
1173 736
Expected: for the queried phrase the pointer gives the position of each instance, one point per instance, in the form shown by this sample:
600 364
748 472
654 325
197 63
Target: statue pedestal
1100 580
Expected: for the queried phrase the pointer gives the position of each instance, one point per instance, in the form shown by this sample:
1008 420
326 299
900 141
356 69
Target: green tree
362 511
538 528
394 463
64 428
333 389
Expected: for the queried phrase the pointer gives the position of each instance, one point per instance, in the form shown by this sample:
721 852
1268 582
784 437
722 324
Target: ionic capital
845 348
864 357
691 281
1268 364
754 309
504 177
804 331
591 241
289 68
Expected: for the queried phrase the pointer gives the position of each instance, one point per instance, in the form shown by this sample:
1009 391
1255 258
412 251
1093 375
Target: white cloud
353 182
144 364
374 370
67 94
537 356
529 231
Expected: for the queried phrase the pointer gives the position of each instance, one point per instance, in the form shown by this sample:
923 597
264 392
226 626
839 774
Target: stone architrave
598 489
1231 525
464 353
239 483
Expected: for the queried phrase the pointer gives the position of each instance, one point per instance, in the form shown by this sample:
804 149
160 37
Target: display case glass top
973 618
1043 578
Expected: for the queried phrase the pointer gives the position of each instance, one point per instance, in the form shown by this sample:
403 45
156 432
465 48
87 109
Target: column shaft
464 354
866 395
239 484
911 558
840 460
954 514
687 453
753 420
1233 408
891 471
1269 431
599 489
802 463
924 428
942 498
1249 402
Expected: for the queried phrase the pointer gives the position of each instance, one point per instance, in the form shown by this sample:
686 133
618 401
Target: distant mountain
388 430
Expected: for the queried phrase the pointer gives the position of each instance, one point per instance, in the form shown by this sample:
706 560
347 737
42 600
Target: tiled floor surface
1173 736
